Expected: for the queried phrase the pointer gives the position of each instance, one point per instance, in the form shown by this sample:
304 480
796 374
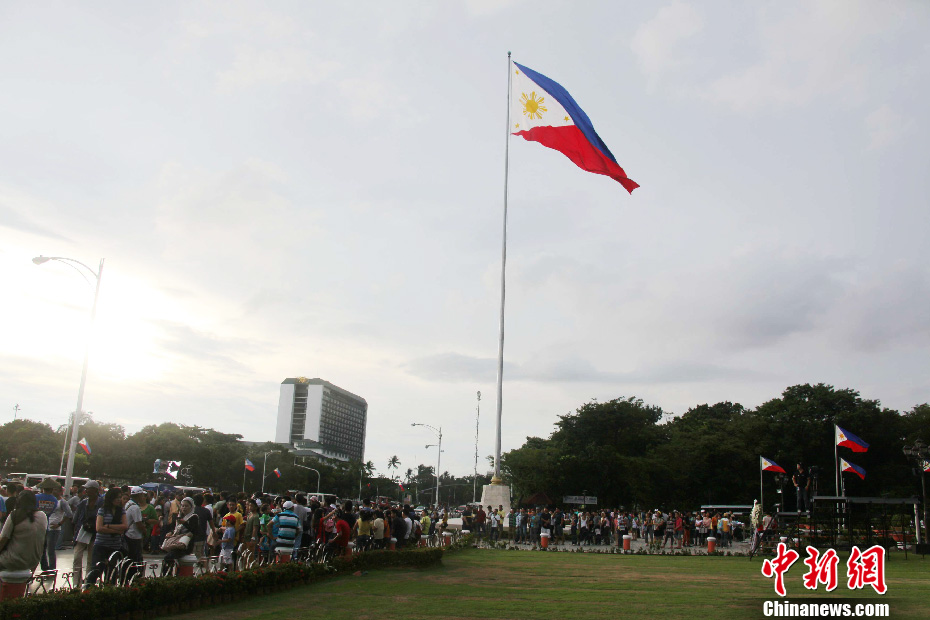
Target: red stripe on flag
573 144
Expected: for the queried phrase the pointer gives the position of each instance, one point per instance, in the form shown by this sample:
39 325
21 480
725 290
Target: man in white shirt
136 525
409 522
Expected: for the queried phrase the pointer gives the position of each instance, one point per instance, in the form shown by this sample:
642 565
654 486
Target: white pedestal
495 495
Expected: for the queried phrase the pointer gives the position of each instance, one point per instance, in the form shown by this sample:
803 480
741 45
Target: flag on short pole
84 445
249 466
853 469
277 472
401 486
768 465
847 440
543 111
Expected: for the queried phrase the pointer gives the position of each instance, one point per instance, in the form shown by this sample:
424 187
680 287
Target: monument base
496 495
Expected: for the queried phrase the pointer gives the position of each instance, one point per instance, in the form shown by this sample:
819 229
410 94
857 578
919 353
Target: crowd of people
677 529
126 521
107 525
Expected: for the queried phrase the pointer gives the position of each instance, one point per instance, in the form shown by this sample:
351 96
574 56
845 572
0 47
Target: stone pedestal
495 495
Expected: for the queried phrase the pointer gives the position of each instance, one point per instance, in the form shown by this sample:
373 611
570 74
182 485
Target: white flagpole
842 485
500 352
836 459
762 503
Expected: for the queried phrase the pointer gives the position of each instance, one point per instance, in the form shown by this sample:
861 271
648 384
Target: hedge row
150 598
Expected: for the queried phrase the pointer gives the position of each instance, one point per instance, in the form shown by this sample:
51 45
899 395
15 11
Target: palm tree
393 463
369 468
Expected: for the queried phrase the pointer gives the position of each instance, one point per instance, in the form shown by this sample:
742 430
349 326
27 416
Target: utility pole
474 489
16 409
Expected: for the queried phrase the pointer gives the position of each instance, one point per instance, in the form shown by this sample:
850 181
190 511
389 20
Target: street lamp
920 454
438 432
76 418
317 477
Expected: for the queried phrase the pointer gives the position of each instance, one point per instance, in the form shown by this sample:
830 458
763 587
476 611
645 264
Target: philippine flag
926 465
249 466
86 446
768 465
401 486
277 472
847 440
855 469
542 111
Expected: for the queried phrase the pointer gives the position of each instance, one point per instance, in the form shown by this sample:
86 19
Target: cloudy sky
317 190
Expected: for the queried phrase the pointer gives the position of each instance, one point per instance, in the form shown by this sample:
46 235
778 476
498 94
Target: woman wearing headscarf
111 525
22 538
181 540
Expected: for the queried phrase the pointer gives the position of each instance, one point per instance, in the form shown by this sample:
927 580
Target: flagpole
761 502
836 459
500 351
243 476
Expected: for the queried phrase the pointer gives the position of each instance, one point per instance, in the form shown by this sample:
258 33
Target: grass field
497 585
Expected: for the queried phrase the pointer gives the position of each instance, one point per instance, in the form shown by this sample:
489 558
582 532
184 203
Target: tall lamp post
76 418
920 454
438 432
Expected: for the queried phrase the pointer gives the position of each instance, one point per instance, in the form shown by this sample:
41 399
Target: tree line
216 460
632 454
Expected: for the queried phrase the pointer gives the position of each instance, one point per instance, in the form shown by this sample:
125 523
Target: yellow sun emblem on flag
533 107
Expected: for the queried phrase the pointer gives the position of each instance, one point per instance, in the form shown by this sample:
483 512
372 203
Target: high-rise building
318 416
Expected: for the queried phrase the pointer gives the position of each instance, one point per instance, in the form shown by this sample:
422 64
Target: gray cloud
455 367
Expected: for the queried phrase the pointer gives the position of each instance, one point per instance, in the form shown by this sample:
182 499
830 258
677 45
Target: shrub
153 594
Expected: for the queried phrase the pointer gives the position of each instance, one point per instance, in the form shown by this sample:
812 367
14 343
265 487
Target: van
32 481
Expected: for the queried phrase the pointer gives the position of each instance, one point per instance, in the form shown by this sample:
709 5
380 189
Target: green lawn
496 585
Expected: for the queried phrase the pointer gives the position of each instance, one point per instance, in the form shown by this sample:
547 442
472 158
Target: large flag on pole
84 445
543 111
768 465
847 440
854 469
249 466
277 472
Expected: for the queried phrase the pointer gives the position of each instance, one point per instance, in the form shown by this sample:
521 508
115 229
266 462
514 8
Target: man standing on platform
802 483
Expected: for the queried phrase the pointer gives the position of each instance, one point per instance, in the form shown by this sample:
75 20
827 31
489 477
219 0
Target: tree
393 464
31 447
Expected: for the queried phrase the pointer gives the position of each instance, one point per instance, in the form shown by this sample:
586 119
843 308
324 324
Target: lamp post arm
313 470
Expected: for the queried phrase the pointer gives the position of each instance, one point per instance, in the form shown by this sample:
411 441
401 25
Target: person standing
110 526
480 518
288 528
85 521
204 520
22 538
802 483
377 529
512 525
135 524
55 509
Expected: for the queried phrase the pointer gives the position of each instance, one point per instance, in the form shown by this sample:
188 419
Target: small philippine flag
277 472
249 466
86 446
768 465
926 465
847 440
855 469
